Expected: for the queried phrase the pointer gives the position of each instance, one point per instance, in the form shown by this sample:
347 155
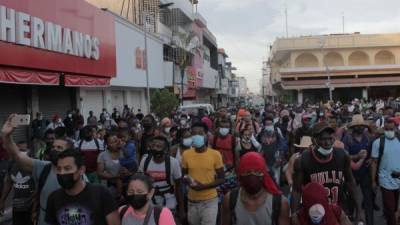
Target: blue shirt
389 163
353 147
129 157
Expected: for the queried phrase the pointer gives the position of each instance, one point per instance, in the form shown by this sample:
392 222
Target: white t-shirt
158 173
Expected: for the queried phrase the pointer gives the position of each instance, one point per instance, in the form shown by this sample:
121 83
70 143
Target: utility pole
343 22
286 22
328 82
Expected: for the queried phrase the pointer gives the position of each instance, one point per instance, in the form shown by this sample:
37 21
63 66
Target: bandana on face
254 162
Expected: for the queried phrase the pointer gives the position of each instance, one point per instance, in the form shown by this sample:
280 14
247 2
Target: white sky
245 28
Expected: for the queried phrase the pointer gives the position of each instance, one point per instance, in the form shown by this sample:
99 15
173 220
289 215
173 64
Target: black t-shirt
329 174
23 186
90 207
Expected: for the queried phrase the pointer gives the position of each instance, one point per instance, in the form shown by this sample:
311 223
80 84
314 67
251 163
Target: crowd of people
282 164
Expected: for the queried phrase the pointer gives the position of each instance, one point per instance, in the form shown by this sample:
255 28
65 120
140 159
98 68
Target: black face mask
137 201
88 138
285 119
146 125
358 130
53 156
66 181
157 154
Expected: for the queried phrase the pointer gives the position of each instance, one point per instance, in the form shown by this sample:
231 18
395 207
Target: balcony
183 5
210 77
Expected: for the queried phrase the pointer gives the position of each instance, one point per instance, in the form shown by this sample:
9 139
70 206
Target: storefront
50 48
129 86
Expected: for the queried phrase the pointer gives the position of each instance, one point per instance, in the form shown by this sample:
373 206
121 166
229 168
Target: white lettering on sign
24 29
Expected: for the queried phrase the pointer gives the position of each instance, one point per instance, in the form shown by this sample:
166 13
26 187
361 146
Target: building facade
347 65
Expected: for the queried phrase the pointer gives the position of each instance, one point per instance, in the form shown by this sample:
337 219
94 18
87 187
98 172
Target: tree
163 102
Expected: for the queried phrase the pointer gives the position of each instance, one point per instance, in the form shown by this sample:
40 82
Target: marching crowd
283 164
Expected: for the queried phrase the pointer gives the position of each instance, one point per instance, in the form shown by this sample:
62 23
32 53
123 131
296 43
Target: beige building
351 65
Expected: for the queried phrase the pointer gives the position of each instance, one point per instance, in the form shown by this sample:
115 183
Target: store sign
24 29
65 36
140 58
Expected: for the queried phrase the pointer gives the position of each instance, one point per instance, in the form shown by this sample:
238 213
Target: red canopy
19 76
82 81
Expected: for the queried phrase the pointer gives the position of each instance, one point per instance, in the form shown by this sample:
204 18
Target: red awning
82 81
19 76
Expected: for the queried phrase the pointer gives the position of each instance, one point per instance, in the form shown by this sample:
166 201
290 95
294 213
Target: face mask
157 154
285 119
198 141
223 131
183 122
88 138
53 156
389 134
246 140
187 142
269 128
147 125
116 114
59 121
66 181
137 201
70 115
167 130
252 184
316 213
325 152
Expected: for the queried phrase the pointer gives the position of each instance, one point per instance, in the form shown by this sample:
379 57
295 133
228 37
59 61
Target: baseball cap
322 126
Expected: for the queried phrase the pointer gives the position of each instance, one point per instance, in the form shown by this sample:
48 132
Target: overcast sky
245 28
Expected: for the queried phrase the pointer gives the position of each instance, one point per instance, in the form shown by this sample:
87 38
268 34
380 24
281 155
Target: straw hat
304 143
357 120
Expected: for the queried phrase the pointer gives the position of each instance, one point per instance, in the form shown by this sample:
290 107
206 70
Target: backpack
167 171
276 206
157 213
42 180
95 141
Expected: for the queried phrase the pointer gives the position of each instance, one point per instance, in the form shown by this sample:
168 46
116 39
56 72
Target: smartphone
20 120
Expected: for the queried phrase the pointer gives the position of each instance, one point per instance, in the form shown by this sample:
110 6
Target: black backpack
276 206
167 171
95 141
157 213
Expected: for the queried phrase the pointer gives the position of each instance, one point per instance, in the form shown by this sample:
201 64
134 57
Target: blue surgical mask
389 134
325 152
187 142
223 131
198 141
269 128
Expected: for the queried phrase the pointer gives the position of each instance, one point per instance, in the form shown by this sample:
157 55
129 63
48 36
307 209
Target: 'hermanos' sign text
24 29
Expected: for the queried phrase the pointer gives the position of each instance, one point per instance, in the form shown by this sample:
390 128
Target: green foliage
163 102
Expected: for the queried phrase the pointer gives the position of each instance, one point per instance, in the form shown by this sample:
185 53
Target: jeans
203 212
367 197
390 200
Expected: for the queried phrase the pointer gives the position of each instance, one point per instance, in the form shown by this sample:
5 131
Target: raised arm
24 161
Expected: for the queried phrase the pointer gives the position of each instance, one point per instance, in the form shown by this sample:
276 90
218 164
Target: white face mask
389 134
316 213
167 130
183 122
325 152
269 128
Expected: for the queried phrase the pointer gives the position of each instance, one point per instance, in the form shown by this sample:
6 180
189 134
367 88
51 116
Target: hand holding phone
20 120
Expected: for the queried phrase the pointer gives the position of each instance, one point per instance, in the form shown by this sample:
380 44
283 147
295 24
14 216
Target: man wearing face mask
184 121
327 166
91 148
167 175
316 208
149 131
55 122
204 172
386 170
357 144
225 143
166 125
258 200
78 202
43 172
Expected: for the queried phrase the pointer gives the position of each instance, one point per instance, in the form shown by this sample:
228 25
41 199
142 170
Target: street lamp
328 82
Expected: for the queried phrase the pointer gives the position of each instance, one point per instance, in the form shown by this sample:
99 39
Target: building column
365 93
300 96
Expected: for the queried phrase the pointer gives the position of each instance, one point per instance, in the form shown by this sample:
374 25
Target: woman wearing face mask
247 143
109 167
140 210
317 210
165 128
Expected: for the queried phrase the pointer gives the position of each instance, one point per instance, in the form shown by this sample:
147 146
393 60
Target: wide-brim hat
305 142
357 120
